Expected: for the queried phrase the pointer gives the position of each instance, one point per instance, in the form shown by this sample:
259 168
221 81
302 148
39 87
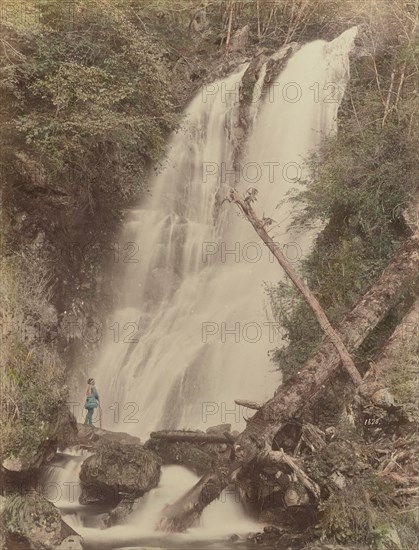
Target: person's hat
91 381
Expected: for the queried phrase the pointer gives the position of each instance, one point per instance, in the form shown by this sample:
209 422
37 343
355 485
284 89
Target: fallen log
291 398
192 503
311 436
276 458
193 437
334 336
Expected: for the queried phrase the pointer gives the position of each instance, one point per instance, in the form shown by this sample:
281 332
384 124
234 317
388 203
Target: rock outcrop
263 68
93 439
118 471
240 39
30 522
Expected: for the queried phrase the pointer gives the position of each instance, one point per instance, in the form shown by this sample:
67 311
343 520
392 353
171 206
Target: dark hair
91 380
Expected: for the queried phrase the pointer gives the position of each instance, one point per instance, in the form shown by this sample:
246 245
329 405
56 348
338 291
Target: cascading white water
186 293
61 480
61 485
140 526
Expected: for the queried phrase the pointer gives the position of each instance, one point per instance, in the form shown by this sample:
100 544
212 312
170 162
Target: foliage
404 373
360 184
408 527
87 109
353 513
33 392
406 366
365 509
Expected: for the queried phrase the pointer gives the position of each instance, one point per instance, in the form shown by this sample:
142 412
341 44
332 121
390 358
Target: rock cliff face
263 68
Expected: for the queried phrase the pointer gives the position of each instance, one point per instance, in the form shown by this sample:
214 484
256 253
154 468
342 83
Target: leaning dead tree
289 401
259 227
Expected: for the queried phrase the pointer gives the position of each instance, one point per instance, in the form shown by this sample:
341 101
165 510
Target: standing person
92 401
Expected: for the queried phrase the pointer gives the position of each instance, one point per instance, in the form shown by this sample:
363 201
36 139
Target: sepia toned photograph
209 274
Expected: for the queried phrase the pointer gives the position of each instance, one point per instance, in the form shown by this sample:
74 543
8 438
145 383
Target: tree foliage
88 106
361 183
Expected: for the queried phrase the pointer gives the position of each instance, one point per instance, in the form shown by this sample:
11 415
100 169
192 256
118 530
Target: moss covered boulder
118 471
30 521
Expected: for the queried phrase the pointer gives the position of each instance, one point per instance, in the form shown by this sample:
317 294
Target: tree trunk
230 20
258 16
181 515
193 437
292 397
309 297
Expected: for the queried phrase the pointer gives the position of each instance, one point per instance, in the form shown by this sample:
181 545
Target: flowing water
62 487
193 325
196 290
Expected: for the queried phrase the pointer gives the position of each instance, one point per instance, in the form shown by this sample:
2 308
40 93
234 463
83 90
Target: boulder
118 471
91 439
30 521
12 466
73 542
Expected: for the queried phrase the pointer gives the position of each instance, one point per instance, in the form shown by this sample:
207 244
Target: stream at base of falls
221 520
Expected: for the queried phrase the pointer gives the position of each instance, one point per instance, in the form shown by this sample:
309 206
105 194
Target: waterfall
193 324
61 479
140 526
60 484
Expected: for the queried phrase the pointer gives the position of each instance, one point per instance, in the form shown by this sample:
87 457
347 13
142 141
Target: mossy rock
30 521
117 470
